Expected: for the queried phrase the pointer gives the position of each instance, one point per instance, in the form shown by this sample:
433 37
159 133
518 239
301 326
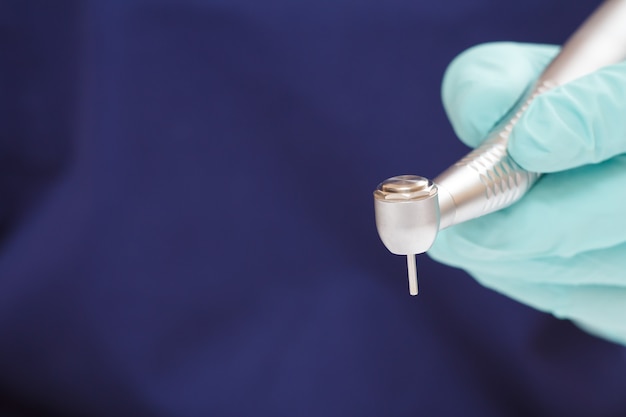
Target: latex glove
562 247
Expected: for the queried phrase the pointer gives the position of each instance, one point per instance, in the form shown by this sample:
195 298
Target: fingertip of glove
459 246
442 251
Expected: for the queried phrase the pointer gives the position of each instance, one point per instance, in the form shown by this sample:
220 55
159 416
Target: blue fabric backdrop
187 227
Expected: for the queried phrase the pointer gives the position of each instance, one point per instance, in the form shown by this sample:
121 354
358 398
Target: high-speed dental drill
410 210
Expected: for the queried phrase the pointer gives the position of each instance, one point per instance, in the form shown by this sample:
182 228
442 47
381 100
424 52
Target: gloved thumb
580 123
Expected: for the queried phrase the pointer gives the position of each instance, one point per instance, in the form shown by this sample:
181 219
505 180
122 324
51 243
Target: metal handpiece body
410 210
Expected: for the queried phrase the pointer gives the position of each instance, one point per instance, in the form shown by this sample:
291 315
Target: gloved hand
562 247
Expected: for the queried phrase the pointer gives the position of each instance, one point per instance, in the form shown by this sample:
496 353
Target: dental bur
410 210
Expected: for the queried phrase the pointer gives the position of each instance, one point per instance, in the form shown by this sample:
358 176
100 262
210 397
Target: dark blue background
187 226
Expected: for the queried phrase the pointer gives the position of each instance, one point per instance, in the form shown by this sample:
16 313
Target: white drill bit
412 265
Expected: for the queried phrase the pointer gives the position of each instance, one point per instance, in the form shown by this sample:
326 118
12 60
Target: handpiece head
407 217
407 214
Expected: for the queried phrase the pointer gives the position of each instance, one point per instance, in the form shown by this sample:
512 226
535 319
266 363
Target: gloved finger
482 84
597 307
579 123
566 213
604 267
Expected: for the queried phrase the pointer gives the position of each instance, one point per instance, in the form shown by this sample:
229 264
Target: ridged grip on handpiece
487 179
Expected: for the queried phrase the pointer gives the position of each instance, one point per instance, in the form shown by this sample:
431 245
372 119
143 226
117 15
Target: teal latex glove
562 247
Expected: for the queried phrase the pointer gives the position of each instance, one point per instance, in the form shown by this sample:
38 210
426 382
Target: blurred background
187 223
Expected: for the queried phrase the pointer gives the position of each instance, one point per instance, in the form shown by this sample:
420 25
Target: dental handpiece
410 210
